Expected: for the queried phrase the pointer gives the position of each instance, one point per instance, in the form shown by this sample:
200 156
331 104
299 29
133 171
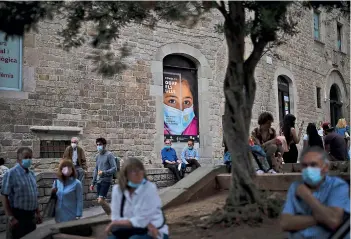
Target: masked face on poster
178 101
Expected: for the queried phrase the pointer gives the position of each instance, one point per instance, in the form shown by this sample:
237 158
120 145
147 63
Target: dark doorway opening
283 97
335 105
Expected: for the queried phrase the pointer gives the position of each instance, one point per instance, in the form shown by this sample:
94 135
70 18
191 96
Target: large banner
10 62
181 120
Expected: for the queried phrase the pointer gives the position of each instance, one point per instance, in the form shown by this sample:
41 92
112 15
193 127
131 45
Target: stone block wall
162 177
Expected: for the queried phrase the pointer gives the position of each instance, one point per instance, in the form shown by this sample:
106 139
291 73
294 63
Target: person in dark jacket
76 154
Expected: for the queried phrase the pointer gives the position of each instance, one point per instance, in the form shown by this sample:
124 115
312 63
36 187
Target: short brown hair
65 163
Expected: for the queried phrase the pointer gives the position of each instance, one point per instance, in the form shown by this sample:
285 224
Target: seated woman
266 137
312 138
136 206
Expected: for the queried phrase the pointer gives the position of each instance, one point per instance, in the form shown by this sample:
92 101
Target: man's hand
303 191
13 222
39 218
91 187
152 230
100 172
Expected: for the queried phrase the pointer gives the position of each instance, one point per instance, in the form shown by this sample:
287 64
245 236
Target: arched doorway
335 104
283 97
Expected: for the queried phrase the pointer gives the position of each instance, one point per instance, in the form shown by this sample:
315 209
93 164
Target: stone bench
334 166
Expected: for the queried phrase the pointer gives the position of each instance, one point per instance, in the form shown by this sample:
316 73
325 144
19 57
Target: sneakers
272 171
259 172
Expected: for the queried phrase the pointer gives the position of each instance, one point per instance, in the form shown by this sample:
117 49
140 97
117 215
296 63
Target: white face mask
67 171
176 120
74 145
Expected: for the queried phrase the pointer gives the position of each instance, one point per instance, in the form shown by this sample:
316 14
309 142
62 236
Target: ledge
52 129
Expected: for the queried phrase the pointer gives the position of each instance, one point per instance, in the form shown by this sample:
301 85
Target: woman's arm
79 197
296 138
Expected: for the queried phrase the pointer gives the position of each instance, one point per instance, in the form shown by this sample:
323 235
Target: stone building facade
58 96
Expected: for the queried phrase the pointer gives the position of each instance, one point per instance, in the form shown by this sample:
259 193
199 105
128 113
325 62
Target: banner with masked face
180 108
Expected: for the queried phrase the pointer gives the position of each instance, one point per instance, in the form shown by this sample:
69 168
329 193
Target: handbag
127 232
49 210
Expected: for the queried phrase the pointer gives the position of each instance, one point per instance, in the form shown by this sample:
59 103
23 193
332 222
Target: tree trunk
239 88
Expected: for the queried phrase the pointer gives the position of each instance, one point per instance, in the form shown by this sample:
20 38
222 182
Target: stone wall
162 177
60 89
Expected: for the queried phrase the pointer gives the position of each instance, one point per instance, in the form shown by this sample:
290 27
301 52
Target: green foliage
109 18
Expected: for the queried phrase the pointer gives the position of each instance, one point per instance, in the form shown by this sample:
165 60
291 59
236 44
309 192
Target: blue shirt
21 188
169 154
189 153
333 192
69 203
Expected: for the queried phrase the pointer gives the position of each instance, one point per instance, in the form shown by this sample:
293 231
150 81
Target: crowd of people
270 150
313 208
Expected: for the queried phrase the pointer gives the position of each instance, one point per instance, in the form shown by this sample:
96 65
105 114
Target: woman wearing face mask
136 206
69 191
179 116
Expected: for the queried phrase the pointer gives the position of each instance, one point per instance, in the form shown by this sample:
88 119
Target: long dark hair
313 137
288 123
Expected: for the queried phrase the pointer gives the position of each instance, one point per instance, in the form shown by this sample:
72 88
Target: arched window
283 97
335 104
180 98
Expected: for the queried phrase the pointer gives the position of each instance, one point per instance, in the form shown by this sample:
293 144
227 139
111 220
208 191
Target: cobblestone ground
185 223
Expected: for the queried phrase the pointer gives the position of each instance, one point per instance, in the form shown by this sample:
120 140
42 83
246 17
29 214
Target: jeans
26 224
80 174
102 189
146 236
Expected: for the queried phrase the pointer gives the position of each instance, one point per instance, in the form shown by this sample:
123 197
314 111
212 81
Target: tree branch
255 56
221 8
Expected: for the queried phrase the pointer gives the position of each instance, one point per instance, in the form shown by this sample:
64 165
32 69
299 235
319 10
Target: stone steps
334 166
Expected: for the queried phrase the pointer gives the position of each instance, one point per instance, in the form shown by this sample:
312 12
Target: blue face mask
136 185
312 176
167 147
100 148
26 163
190 147
177 120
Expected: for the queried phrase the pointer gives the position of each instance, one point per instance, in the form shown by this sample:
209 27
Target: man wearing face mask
170 159
20 196
76 154
103 173
317 206
190 156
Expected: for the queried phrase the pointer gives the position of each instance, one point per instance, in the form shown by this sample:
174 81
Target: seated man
190 156
334 144
170 159
315 207
266 137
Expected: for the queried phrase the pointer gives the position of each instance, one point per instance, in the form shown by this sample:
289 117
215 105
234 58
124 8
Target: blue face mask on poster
176 120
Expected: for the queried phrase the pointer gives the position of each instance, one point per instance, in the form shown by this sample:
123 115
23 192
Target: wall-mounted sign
181 120
10 63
